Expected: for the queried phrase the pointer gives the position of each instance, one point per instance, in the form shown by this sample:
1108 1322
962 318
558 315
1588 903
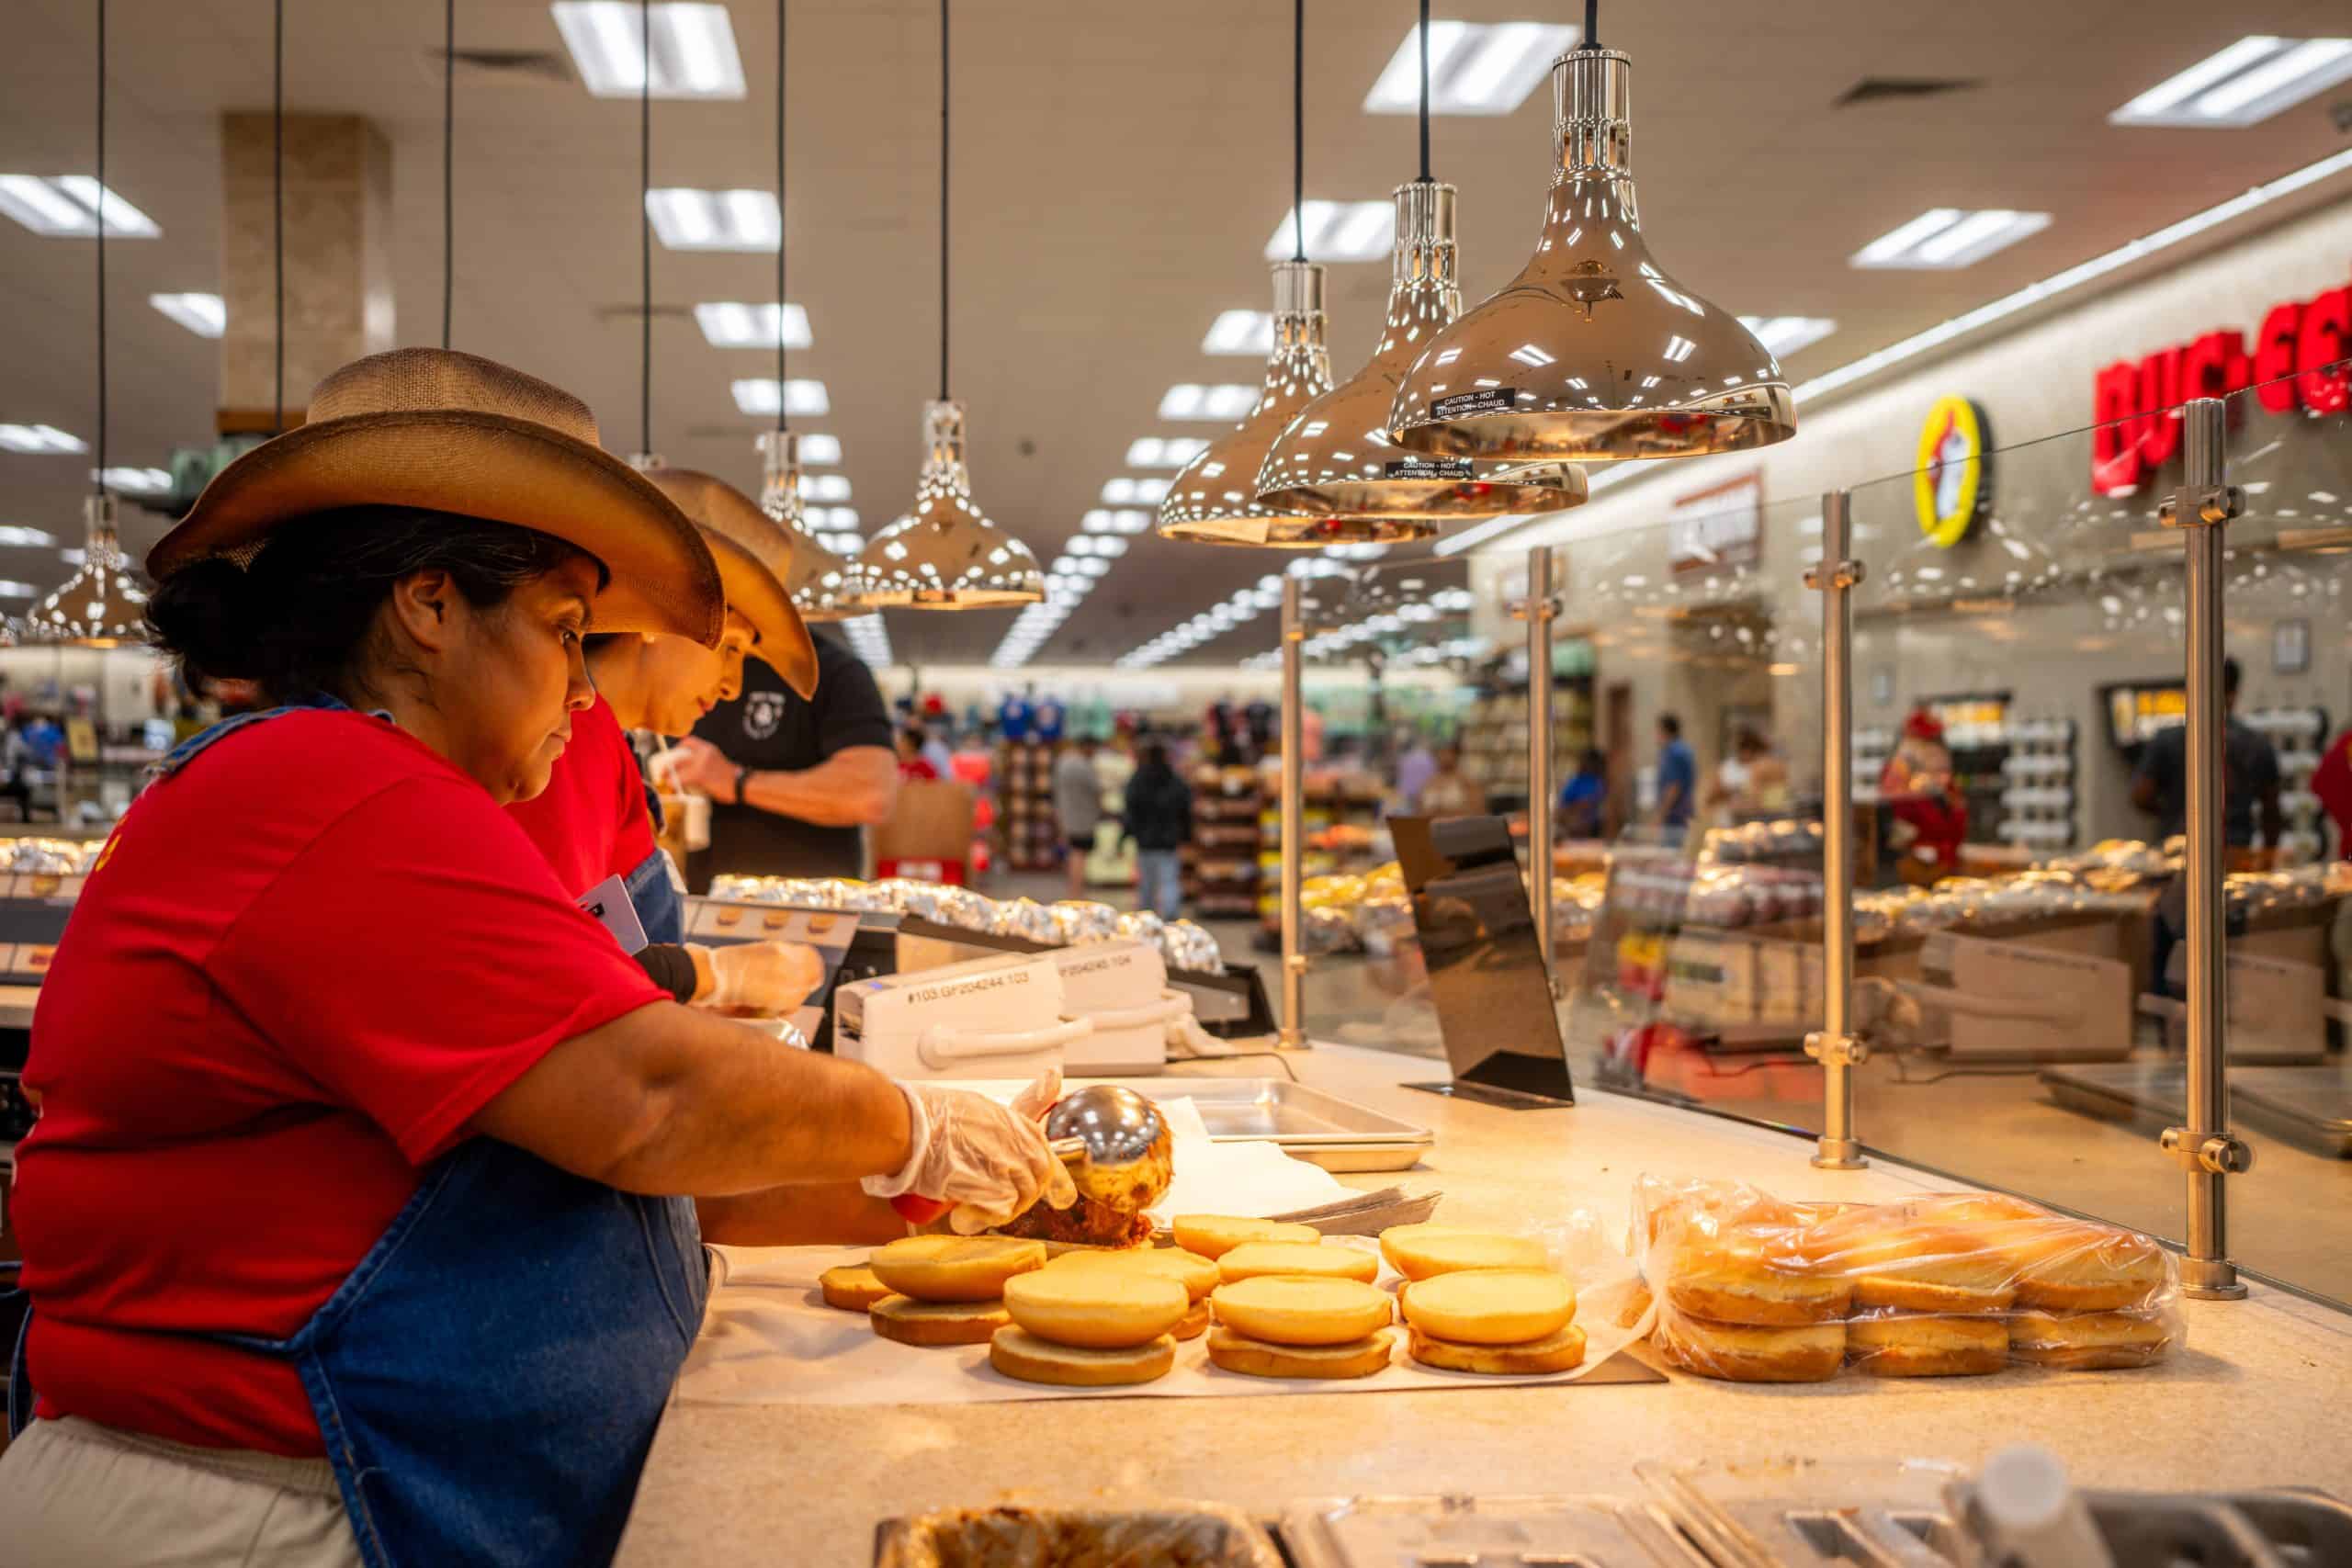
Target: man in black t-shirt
2249 777
792 782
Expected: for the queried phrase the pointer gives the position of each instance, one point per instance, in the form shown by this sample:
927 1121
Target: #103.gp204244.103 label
1487 399
1439 468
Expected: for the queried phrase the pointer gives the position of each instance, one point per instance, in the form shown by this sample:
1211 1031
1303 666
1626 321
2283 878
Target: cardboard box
933 821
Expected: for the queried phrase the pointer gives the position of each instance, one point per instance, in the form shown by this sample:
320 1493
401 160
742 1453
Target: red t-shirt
302 965
590 821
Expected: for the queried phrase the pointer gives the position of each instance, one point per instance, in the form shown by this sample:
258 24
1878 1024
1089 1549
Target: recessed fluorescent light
688 219
728 325
66 207
13 589
756 395
23 538
819 447
139 482
1340 232
37 439
1222 400
693 49
1474 68
1126 492
2242 84
824 487
1243 332
1164 451
203 314
1784 335
838 517
1948 237
842 544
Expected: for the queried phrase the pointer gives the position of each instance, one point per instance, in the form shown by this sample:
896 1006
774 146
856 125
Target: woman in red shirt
361 1166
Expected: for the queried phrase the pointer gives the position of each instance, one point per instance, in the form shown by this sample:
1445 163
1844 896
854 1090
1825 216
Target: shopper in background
1584 798
2249 779
1450 793
1159 818
935 750
1416 765
1677 775
1749 782
1077 807
16 766
2332 782
1924 798
794 782
912 763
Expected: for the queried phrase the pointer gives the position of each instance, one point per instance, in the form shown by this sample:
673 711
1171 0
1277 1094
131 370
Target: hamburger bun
1017 1353
954 1268
2089 1341
1213 1236
1252 1258
1554 1353
1422 1252
1258 1359
1095 1309
1194 1323
1746 1353
1289 1309
1490 1306
852 1287
911 1321
1198 1275
1911 1344
1746 1277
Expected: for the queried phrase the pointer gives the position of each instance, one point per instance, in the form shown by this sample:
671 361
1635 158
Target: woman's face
507 679
684 680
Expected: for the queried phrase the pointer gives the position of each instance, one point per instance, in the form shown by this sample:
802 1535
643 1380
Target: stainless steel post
1540 610
1294 812
1836 1046
2206 1148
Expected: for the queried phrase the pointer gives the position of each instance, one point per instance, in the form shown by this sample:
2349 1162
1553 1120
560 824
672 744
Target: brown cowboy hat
449 432
754 556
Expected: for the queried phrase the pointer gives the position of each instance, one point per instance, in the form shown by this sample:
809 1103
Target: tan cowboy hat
431 428
754 556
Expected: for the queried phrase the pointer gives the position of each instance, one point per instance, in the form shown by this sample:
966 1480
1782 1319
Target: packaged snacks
1750 1288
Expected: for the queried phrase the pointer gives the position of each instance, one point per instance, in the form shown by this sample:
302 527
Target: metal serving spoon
1114 1141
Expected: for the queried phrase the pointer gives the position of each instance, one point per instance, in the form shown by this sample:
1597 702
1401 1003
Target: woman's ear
424 607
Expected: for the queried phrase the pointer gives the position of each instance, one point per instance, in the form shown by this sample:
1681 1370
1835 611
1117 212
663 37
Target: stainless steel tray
1483 1532
1323 1129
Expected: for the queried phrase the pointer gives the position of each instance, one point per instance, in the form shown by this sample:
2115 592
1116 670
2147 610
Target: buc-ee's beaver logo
763 711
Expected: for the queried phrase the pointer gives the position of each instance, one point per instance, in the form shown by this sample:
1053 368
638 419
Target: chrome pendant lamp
819 580
102 605
1337 458
944 554
1213 499
1592 354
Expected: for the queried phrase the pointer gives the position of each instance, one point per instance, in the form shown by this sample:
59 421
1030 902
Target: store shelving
1025 771
1221 864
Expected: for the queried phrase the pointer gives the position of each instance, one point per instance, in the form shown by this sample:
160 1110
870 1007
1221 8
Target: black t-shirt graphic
769 729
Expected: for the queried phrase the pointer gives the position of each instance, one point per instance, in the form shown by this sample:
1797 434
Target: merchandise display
1750 1289
1222 865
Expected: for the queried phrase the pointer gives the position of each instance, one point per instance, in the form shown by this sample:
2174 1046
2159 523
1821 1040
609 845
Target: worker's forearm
836 1212
837 793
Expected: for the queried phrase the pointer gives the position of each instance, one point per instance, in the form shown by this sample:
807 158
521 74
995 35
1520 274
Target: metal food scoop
1117 1145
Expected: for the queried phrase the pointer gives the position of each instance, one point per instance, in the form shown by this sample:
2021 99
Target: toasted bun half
1213 1236
954 1268
1017 1353
1095 1309
1292 1309
1420 1252
852 1287
1554 1353
911 1321
1490 1306
1258 1359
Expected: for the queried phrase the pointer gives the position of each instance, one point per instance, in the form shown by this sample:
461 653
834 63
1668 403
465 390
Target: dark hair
1748 740
298 616
1154 755
2230 676
1670 724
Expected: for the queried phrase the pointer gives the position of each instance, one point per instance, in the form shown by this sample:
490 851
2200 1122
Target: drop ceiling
1118 169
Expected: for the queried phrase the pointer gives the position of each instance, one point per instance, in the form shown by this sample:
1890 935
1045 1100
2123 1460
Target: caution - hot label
1487 399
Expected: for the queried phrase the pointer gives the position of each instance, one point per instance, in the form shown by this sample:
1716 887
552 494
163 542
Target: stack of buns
1752 1290
1287 1305
942 1290
1480 1302
1080 1327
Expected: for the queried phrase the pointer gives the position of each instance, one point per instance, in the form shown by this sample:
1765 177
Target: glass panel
2289 585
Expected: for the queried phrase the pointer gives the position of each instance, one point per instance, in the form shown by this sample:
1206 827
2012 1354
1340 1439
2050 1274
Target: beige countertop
2258 1398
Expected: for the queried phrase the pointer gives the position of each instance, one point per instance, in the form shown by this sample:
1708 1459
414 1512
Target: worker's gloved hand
768 978
989 1162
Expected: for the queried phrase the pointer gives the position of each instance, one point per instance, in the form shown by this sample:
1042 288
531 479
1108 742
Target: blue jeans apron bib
488 1379
661 907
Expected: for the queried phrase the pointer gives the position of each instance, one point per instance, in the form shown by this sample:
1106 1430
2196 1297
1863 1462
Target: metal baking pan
1308 1123
1483 1532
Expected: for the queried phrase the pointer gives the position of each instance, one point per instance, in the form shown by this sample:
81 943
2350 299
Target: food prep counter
808 1484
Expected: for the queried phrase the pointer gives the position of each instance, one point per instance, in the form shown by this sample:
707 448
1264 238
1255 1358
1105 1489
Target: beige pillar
338 258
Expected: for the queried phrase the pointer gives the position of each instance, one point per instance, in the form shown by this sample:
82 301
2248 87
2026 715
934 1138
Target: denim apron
489 1378
653 890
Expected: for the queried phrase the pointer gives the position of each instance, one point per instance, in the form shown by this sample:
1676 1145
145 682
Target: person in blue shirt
1584 798
1678 773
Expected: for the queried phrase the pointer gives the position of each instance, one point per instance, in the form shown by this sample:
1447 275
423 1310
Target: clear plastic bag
1753 1289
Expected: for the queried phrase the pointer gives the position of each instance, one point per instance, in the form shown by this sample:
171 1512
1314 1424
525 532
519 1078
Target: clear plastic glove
989 1162
768 978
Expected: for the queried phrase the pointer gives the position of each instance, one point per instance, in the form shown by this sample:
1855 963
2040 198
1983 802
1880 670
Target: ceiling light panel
824 487
1123 491
66 207
729 324
1224 401
1340 232
2242 84
819 448
22 538
1242 334
1947 238
138 481
1784 335
37 439
689 219
757 395
693 49
1474 68
203 314
1164 451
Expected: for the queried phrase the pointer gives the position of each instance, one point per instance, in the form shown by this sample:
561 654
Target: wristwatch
742 782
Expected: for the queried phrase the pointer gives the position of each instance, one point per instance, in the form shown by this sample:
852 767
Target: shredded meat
1086 1220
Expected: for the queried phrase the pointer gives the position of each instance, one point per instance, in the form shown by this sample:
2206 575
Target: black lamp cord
783 420
645 232
277 201
1298 130
942 200
448 160
99 475
1425 91
1591 39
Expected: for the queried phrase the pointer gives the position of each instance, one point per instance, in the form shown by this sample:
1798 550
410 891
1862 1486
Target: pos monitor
1493 995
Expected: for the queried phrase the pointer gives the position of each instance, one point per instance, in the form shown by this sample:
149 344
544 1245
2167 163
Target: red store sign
2136 436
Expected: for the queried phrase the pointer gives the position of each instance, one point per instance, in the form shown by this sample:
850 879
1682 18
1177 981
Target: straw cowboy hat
427 427
754 556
